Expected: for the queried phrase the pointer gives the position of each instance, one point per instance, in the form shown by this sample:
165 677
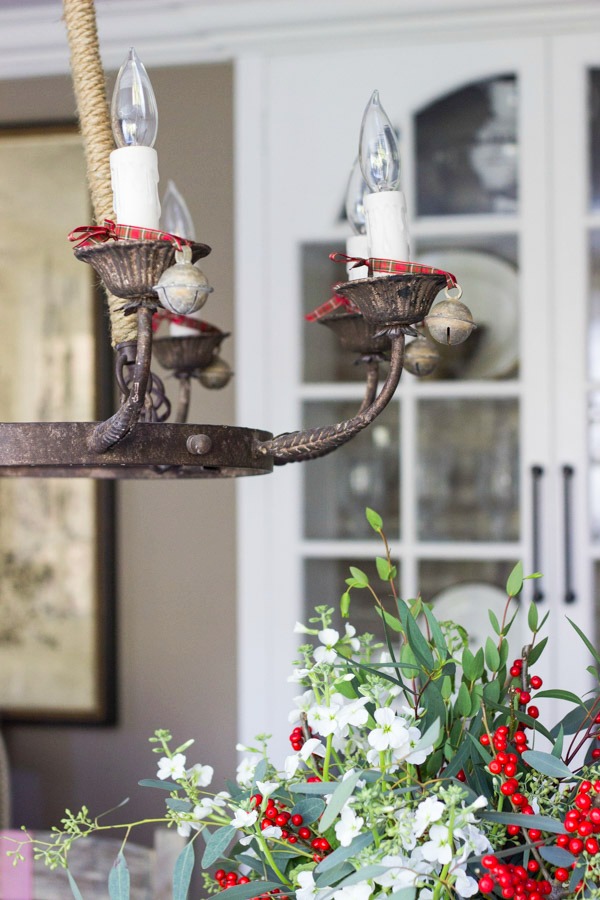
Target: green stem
328 749
269 857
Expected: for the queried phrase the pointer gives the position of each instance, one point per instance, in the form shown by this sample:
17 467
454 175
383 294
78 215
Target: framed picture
57 597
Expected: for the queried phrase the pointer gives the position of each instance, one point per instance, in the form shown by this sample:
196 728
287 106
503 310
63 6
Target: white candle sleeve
134 177
387 229
357 245
183 330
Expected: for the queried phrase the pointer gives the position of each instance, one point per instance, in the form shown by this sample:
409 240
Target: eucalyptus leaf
332 876
259 773
557 856
434 705
74 889
182 873
343 791
119 880
544 823
342 853
314 787
429 737
310 809
558 744
546 764
363 874
556 694
163 785
574 719
462 705
390 620
178 805
578 873
253 888
217 844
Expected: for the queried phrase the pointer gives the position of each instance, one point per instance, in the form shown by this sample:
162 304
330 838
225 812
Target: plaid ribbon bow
86 235
335 302
393 267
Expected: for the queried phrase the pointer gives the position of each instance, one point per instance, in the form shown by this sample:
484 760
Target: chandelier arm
110 432
183 399
314 442
372 384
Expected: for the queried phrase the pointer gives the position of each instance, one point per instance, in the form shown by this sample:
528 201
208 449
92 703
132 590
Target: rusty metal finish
63 450
130 269
108 433
393 300
371 385
185 354
356 334
314 442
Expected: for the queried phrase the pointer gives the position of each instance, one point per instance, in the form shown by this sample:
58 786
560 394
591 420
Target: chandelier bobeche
150 275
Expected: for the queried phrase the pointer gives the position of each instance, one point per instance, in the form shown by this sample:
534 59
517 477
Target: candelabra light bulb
355 200
378 148
175 216
133 112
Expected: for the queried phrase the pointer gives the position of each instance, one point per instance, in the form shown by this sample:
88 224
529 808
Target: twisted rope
92 109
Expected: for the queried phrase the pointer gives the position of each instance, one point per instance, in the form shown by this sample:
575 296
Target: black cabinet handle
568 473
537 473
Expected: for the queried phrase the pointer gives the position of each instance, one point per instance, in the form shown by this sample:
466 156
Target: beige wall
176 551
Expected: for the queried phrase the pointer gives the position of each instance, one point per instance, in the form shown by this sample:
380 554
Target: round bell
420 357
450 321
183 288
216 374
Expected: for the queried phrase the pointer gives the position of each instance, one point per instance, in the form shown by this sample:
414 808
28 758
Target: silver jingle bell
183 288
420 357
450 321
216 375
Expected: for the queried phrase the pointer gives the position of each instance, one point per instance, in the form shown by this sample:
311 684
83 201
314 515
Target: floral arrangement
419 769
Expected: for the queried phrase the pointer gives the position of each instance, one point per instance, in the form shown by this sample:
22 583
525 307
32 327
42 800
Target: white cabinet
466 468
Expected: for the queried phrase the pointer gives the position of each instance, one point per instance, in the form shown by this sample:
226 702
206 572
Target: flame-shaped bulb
355 200
378 148
133 112
175 217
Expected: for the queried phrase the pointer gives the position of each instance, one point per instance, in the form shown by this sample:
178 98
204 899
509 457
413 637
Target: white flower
438 848
307 889
303 703
348 826
353 713
171 767
204 808
392 732
266 788
465 886
244 818
354 642
245 771
416 757
361 891
291 763
200 776
299 628
298 675
272 831
429 810
329 638
323 719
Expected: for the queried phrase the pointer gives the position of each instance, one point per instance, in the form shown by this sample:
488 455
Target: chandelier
150 275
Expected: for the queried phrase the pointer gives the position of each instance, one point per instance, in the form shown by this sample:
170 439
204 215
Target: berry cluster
582 824
505 763
293 829
297 737
515 882
230 879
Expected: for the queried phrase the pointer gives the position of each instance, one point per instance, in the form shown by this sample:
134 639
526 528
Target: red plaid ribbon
162 315
335 302
393 267
86 235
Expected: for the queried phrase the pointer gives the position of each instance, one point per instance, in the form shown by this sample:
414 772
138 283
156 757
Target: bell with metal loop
216 375
450 321
183 288
420 357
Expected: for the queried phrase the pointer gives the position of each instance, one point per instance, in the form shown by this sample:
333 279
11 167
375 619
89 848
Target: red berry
533 712
219 874
561 874
484 740
297 820
515 671
495 767
596 755
266 823
293 839
256 800
536 682
488 862
244 880
313 778
524 698
535 834
304 833
533 866
575 846
513 830
486 884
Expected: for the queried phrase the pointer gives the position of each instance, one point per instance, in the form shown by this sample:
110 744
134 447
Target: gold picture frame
57 585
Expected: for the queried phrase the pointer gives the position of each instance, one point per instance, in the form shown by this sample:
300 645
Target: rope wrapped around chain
92 108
